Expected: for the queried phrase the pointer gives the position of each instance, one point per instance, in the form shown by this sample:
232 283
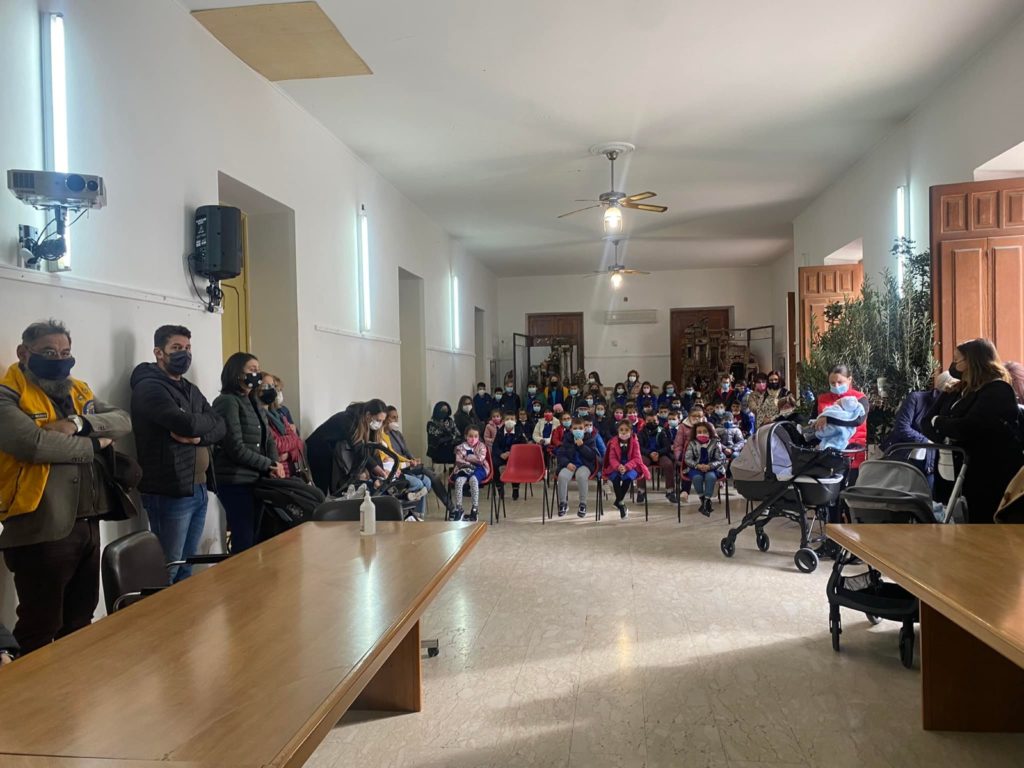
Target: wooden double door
977 231
820 287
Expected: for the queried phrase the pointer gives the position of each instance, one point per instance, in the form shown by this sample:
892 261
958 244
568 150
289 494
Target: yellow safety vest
21 483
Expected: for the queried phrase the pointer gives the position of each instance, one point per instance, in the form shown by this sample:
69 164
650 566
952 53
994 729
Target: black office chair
389 509
133 567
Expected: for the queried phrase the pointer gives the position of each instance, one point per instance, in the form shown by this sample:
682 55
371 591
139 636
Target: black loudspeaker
218 254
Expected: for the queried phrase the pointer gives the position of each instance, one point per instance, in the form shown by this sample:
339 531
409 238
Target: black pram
889 490
785 478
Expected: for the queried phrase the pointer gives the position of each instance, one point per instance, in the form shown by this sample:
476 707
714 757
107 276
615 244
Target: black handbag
120 476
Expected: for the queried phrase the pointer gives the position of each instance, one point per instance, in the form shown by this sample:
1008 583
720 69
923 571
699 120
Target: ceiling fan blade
594 274
640 196
579 210
634 272
587 201
645 207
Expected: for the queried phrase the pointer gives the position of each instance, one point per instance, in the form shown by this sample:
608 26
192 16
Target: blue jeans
178 524
703 483
416 482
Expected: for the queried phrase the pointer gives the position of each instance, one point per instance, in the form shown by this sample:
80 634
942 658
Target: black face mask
268 396
251 380
774 385
179 362
51 369
958 375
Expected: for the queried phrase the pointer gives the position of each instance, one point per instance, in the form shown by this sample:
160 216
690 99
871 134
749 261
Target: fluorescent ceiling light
456 331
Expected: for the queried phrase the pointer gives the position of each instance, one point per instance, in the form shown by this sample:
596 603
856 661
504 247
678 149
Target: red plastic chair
527 464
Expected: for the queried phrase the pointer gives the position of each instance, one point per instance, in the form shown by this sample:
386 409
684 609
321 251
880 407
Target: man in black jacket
174 428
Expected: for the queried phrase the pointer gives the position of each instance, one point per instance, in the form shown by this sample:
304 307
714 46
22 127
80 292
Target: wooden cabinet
978 265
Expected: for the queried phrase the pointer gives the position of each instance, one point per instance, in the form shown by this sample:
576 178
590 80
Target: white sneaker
417 495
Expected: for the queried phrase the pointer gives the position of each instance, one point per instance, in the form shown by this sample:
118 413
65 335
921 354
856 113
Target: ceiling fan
613 202
617 270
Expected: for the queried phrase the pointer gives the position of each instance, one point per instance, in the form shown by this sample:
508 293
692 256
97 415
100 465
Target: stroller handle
908 447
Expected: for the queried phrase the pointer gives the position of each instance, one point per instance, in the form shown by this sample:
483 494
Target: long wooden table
249 663
970 581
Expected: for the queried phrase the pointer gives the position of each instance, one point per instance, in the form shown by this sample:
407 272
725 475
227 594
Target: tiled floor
638 644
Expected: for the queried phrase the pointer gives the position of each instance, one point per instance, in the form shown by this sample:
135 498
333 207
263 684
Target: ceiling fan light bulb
616 280
612 220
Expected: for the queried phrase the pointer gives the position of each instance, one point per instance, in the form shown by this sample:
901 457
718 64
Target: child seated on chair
633 417
648 437
666 460
491 428
591 429
705 461
543 431
730 436
837 432
624 464
743 418
577 460
511 433
470 467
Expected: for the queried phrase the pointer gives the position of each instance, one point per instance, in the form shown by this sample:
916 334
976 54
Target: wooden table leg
398 685
966 685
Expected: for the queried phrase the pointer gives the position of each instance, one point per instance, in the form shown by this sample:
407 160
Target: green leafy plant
886 336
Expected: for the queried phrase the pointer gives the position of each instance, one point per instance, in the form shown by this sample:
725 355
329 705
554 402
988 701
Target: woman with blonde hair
979 413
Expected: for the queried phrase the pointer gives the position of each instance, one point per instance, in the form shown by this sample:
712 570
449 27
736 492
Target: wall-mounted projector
49 189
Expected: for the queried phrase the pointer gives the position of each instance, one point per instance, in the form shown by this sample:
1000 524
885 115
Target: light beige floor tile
638 644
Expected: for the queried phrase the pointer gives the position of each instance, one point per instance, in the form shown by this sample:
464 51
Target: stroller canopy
767 456
889 490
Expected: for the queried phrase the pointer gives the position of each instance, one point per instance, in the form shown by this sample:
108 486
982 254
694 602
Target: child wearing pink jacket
470 467
624 464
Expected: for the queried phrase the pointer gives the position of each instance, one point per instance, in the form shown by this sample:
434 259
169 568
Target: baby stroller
889 490
778 471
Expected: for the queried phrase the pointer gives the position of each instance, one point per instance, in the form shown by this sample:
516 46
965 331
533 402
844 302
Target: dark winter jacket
906 426
442 434
7 641
504 440
247 450
585 455
160 406
321 445
666 438
648 437
482 406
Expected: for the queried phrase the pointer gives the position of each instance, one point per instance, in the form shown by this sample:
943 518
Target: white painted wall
972 118
159 107
613 350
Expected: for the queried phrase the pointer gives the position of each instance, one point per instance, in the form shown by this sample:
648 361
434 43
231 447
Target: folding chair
526 464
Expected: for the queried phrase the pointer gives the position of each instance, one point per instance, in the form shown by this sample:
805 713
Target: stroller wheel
806 559
835 627
763 542
907 646
728 547
875 620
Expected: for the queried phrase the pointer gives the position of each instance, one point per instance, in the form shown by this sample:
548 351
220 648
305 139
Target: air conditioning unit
631 317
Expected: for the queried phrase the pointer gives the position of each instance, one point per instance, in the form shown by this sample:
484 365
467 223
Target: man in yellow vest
51 426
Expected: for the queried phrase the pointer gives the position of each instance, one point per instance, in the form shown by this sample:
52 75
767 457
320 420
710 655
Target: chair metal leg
432 647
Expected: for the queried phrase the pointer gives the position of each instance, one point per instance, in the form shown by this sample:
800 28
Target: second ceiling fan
613 201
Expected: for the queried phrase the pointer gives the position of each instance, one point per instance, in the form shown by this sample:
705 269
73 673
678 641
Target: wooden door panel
985 209
809 282
1013 208
1006 262
965 289
953 213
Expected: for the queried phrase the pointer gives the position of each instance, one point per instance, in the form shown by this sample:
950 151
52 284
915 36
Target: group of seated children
583 430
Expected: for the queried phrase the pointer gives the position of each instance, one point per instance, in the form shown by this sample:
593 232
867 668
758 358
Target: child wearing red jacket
624 464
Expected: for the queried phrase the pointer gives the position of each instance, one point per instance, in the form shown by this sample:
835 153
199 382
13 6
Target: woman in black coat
442 434
979 414
247 452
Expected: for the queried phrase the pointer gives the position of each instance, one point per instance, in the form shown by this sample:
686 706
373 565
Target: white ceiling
482 112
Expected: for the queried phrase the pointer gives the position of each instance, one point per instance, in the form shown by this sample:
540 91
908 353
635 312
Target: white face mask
280 399
510 424
375 425
467 408
395 425
632 379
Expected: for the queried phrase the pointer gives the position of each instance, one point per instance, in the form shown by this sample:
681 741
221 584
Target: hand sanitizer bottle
367 516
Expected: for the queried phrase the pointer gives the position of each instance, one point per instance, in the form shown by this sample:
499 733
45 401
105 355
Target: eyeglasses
53 354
